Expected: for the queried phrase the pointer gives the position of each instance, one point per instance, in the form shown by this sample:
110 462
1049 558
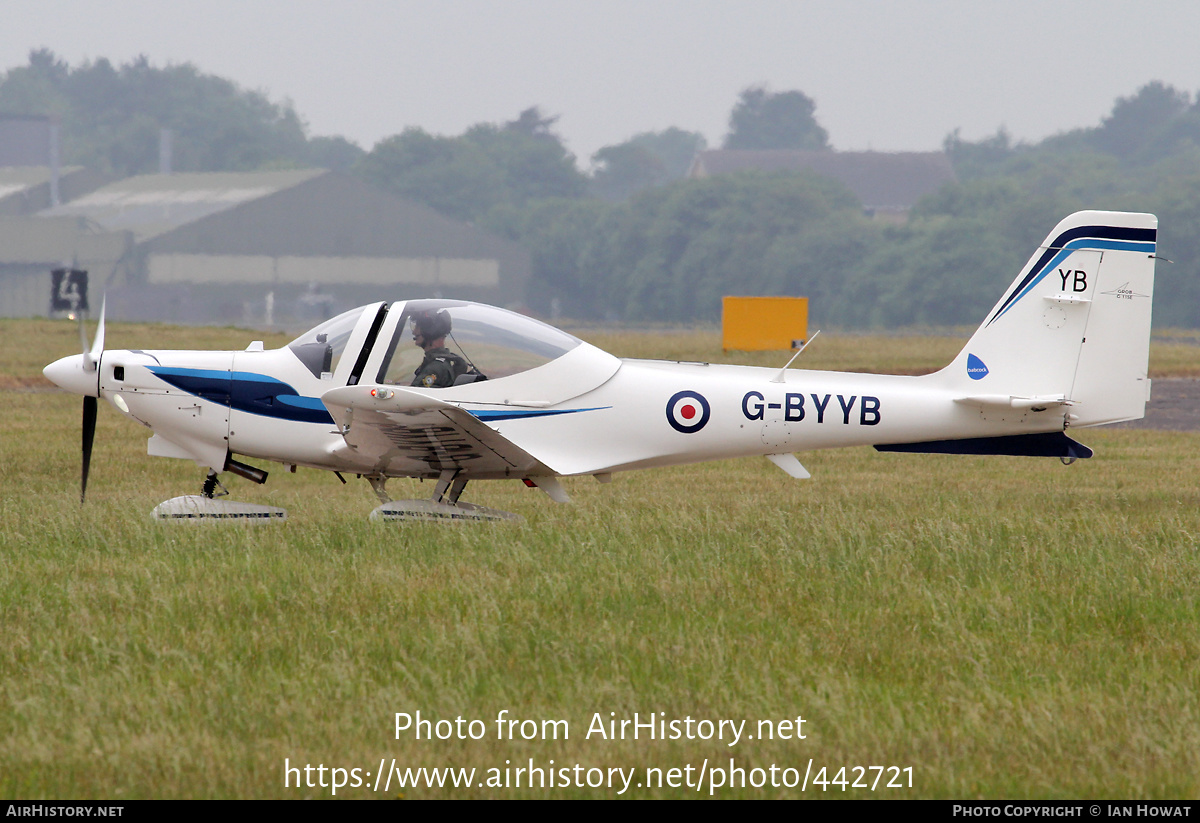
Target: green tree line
632 238
110 118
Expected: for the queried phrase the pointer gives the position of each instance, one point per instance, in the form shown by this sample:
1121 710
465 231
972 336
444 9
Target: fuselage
643 413
1067 344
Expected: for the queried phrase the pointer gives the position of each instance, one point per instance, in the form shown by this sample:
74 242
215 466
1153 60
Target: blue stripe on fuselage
247 392
267 397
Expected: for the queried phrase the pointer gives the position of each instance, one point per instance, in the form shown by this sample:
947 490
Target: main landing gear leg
379 486
449 487
211 484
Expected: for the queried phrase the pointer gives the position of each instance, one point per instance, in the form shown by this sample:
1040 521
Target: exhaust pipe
244 471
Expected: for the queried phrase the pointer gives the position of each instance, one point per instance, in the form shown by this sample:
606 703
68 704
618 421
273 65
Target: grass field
1003 627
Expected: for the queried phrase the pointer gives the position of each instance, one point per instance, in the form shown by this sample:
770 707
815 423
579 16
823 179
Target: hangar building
273 247
32 246
27 189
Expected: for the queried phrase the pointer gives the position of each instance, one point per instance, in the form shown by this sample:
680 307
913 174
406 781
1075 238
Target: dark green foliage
940 272
682 247
762 120
973 160
557 232
671 251
1177 286
645 160
675 148
1152 116
534 161
111 117
487 167
635 240
824 263
1145 156
336 153
448 174
625 169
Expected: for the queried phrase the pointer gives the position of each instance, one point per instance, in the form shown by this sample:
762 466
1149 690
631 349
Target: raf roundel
687 412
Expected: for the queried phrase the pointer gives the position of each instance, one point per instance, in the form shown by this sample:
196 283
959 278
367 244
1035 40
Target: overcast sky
884 75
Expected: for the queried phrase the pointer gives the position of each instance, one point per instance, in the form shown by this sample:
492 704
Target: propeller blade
92 358
89 434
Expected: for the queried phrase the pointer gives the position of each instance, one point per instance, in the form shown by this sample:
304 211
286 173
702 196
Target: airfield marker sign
763 323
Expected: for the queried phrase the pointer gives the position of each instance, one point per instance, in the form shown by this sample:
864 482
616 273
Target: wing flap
405 432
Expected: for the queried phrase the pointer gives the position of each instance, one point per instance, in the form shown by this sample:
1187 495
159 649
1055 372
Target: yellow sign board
763 323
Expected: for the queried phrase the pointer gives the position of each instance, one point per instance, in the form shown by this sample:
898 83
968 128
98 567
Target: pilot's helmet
432 324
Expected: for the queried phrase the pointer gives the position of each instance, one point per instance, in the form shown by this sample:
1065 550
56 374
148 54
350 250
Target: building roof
233 236
152 204
17 179
881 180
57 241
26 189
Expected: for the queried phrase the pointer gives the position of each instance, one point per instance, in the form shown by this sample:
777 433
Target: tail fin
1074 327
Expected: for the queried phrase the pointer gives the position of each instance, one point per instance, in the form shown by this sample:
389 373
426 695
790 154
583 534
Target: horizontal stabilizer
1050 444
1008 401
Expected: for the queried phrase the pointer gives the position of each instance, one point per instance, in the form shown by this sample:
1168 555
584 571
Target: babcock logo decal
687 412
975 368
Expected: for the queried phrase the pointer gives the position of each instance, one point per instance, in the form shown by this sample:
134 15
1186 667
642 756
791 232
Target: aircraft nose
69 373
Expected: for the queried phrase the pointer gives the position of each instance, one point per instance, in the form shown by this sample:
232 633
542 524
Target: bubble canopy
321 349
497 342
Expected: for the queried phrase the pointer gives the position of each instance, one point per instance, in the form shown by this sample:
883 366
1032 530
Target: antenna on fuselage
782 376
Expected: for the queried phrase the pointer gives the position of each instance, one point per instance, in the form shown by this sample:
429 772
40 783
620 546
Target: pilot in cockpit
441 367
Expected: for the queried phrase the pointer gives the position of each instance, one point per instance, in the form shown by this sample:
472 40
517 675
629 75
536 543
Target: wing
406 433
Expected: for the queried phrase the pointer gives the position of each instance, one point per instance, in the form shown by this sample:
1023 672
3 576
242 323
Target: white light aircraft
1065 347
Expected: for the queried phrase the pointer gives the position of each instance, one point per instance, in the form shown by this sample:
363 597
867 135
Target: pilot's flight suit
439 369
